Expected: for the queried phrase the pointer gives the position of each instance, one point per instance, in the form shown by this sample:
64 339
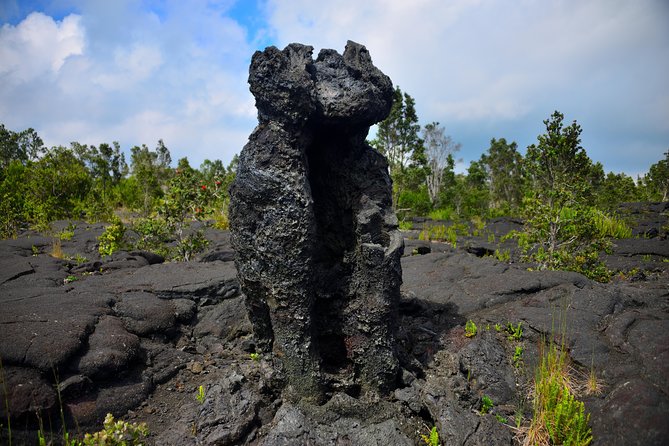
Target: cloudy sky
98 71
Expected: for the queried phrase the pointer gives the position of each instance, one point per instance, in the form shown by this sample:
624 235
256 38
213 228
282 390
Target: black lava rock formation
317 242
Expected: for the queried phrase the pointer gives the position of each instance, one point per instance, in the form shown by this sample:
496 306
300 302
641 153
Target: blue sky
96 71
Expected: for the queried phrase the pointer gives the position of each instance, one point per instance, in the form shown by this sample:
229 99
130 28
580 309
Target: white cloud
132 65
498 65
38 46
139 71
117 72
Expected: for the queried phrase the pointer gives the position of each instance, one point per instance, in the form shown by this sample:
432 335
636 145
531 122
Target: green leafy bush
559 418
190 245
432 439
515 331
116 433
609 226
470 329
406 225
153 234
486 404
568 422
503 255
517 356
112 238
445 214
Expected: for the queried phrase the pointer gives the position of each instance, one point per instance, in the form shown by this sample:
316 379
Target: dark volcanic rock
317 242
27 392
110 349
343 420
143 313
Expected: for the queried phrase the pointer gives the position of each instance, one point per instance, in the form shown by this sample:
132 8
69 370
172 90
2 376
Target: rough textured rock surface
48 324
318 249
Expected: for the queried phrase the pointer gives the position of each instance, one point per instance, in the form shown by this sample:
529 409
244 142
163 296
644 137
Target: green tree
20 146
212 170
504 166
476 195
563 229
13 194
615 189
105 162
56 186
163 155
397 139
558 167
656 181
150 170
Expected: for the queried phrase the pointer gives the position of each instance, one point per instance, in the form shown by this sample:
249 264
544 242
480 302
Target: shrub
112 238
153 234
432 439
116 433
470 329
486 404
190 245
445 214
609 226
558 416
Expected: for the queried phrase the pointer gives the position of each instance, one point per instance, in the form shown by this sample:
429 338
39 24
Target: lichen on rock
317 241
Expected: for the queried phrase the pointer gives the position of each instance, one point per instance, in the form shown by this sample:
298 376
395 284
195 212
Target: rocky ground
135 336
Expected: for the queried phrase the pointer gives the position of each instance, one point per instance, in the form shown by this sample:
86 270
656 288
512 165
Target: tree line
502 181
86 182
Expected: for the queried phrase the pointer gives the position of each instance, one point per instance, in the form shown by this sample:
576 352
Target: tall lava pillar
317 241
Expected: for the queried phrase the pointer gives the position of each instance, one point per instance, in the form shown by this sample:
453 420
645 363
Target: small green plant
190 245
486 404
609 226
593 386
79 259
441 214
515 332
406 225
646 257
436 232
35 250
66 234
503 256
518 417
153 234
111 239
501 419
442 233
116 433
491 238
70 279
569 422
222 222
479 225
518 356
452 236
254 356
432 439
470 329
200 396
559 418
498 327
